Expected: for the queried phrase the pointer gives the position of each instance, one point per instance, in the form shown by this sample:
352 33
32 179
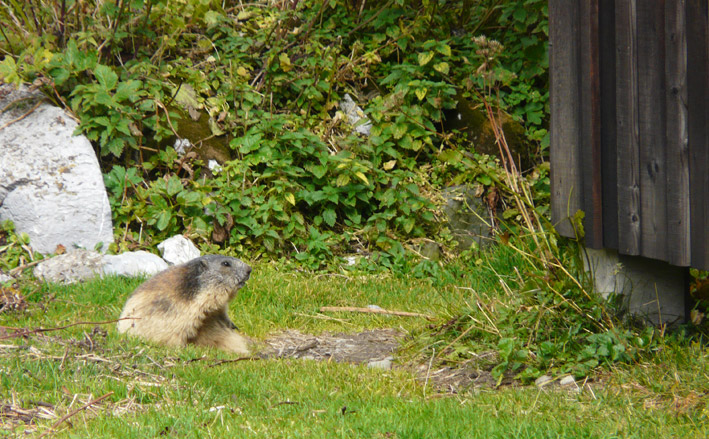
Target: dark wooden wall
629 92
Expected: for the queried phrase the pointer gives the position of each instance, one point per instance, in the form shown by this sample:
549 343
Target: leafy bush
269 78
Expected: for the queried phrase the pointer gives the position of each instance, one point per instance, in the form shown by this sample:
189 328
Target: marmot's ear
202 266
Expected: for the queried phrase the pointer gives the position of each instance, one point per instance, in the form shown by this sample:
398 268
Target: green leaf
444 49
319 171
248 143
127 90
106 77
399 130
329 216
174 186
163 220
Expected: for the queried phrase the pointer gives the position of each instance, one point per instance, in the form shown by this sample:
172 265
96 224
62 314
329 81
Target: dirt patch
377 346
362 347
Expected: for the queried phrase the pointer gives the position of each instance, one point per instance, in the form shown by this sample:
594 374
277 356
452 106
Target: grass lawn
154 391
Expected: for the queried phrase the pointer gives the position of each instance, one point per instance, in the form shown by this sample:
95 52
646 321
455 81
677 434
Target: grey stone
5 278
650 289
468 217
51 186
75 266
542 381
178 250
355 115
383 364
138 263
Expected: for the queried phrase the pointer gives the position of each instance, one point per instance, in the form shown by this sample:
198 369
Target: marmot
188 303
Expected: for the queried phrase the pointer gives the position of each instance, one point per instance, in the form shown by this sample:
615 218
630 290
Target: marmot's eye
226 264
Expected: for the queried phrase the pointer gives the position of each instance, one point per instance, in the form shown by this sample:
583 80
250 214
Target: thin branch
373 311
22 331
65 417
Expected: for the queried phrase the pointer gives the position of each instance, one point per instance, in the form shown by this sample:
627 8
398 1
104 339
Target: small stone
567 381
178 250
542 381
214 166
5 278
181 146
139 263
384 364
355 115
75 266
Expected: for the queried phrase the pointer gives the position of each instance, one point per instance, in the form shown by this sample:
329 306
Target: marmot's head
214 272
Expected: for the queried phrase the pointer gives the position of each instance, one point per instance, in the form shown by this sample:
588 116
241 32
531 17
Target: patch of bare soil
363 347
380 344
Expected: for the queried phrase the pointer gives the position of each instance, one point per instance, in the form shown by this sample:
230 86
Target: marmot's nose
248 271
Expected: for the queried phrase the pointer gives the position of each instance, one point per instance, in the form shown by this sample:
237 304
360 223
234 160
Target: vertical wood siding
629 89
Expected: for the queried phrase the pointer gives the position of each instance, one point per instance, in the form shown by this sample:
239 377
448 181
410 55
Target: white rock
178 250
542 381
355 115
567 381
139 263
384 364
51 186
181 146
71 267
214 166
5 278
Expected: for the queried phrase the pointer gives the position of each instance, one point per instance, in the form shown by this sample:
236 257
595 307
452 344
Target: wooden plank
651 127
564 86
609 174
678 221
627 128
590 123
698 123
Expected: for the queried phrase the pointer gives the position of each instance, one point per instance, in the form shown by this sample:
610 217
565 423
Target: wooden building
629 87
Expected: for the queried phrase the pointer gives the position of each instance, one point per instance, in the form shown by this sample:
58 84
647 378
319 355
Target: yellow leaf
421 93
362 177
343 180
442 67
425 57
389 165
285 62
241 71
290 198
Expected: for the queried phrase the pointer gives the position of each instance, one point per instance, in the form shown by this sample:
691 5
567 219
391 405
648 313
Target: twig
22 331
373 311
234 360
27 265
428 371
31 110
65 417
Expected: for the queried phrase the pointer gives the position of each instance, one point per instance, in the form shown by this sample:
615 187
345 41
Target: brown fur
188 303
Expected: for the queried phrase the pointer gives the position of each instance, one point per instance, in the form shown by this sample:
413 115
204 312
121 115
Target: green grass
166 392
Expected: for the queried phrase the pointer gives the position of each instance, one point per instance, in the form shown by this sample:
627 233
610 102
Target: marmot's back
188 303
